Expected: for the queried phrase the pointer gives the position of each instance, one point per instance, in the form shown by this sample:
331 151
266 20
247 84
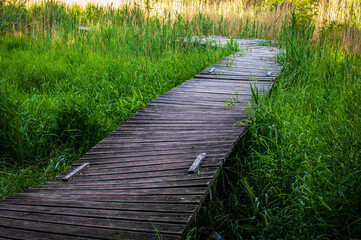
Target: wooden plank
182 199
179 126
107 162
145 175
213 94
118 164
212 91
16 233
170 115
154 207
196 164
107 186
148 149
176 132
235 63
112 157
145 166
240 70
229 72
161 145
236 77
100 213
77 231
171 168
125 138
196 82
170 110
151 180
139 192
76 171
75 221
208 97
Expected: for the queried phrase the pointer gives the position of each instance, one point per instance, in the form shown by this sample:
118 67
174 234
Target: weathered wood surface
138 177
76 171
197 163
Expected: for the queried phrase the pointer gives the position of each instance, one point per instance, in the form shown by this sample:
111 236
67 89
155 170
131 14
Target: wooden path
138 177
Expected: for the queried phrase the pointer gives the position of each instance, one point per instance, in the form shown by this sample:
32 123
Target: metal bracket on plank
76 171
197 163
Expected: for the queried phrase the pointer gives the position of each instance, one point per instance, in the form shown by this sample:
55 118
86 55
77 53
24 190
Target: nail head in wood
77 170
197 163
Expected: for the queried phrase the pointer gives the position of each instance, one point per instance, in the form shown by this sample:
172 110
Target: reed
69 76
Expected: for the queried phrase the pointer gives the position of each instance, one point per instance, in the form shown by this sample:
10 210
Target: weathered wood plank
161 145
139 192
101 213
197 163
77 231
118 164
148 166
76 171
108 162
110 157
175 184
151 180
128 176
182 199
154 207
147 149
16 233
125 138
137 226
236 77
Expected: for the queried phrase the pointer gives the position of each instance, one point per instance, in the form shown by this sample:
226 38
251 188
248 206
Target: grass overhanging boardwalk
137 179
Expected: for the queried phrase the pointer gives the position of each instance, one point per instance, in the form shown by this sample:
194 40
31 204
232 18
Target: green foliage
63 89
12 14
305 12
296 174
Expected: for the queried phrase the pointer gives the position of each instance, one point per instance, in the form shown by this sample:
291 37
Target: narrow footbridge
136 183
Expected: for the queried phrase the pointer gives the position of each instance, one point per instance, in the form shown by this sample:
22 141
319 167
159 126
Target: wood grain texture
138 177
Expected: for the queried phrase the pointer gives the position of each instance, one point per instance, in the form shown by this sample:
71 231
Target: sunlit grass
64 88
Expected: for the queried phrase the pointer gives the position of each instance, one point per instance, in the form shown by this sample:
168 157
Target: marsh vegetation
69 75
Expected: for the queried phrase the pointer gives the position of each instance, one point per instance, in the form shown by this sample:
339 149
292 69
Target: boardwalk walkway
138 177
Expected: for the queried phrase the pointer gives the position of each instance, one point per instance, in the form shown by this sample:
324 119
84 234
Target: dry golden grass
341 19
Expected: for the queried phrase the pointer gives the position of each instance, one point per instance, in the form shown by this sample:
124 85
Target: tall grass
340 19
64 88
296 174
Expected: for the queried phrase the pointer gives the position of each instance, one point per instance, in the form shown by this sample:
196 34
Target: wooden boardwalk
138 177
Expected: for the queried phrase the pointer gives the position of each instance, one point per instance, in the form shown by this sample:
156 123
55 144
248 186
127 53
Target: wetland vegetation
69 75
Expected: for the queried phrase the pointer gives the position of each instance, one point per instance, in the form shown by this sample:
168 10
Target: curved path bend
137 180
